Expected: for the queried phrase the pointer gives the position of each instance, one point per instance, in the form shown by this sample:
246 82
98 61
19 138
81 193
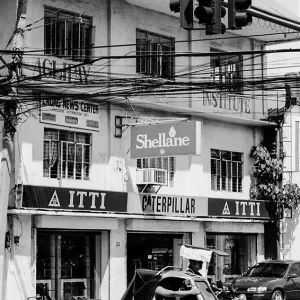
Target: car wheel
277 295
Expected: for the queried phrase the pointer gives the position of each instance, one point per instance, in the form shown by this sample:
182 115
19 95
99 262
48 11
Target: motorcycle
227 292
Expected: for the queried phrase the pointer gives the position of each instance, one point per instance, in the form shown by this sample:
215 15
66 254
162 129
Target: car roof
281 261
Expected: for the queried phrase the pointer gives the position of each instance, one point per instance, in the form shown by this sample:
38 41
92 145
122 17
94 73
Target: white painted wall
291 226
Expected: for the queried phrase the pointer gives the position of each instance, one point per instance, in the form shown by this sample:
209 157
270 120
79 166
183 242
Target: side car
144 283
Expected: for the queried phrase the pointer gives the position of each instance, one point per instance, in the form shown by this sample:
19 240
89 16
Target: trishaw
144 282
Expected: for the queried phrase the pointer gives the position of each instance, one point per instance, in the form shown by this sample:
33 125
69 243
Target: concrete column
260 247
5 174
118 258
104 266
20 271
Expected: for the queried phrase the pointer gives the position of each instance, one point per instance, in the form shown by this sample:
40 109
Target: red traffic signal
238 16
210 13
186 8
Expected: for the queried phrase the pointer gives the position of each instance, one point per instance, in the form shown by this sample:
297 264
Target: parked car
270 280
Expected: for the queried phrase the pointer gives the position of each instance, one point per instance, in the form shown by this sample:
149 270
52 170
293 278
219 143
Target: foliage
268 174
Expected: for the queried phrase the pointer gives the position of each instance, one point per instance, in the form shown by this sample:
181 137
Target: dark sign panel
73 199
253 209
181 138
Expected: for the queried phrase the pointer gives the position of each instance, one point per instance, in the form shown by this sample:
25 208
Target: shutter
90 41
61 37
76 34
153 59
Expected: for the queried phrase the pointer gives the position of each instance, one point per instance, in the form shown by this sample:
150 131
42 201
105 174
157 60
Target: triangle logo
226 210
54 200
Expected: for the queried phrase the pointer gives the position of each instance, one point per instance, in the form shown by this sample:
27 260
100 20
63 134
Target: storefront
168 221
72 251
240 233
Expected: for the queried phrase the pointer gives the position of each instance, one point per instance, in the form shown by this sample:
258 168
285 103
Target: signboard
250 209
71 113
181 138
167 205
73 199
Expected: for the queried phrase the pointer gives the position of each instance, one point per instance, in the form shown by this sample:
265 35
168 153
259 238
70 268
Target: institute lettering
231 102
169 204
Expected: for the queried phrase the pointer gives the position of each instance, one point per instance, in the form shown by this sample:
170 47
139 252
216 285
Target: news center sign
181 138
68 112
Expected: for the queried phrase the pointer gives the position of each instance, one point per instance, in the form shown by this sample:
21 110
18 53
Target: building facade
121 156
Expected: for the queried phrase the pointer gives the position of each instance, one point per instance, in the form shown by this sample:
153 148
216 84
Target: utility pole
7 163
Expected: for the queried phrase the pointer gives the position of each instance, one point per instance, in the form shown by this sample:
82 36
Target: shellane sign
71 113
73 199
181 138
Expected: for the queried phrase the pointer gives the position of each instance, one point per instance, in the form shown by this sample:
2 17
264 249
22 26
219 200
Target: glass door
65 265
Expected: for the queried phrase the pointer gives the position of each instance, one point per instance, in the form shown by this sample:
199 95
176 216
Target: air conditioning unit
152 176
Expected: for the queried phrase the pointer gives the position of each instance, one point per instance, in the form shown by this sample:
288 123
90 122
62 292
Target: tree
268 174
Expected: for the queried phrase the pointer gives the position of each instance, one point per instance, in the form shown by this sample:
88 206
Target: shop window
227 72
226 171
67 34
241 249
151 251
153 53
66 154
163 163
66 265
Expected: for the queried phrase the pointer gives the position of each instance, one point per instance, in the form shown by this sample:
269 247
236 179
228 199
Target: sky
279 64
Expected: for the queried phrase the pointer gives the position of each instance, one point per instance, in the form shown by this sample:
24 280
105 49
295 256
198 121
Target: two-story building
134 137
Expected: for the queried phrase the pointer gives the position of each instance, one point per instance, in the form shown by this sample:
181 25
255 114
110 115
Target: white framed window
66 154
227 171
67 34
153 51
164 163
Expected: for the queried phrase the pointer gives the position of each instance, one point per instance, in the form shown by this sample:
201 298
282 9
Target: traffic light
238 16
186 9
210 13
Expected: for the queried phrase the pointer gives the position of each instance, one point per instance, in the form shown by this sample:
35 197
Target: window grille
227 72
153 53
164 163
66 154
67 34
226 171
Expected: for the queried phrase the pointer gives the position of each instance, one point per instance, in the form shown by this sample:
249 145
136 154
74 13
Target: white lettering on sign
82 196
162 141
226 210
54 200
226 101
243 208
167 204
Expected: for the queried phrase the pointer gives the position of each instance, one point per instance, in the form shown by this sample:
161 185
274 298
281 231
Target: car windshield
276 270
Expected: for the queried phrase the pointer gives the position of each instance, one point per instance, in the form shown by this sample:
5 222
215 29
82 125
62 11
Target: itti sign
182 138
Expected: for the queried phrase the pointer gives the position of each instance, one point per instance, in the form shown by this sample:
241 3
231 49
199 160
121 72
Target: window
164 163
161 64
295 269
227 72
66 154
67 34
226 171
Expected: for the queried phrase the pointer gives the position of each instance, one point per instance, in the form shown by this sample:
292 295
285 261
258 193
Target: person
163 291
194 267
